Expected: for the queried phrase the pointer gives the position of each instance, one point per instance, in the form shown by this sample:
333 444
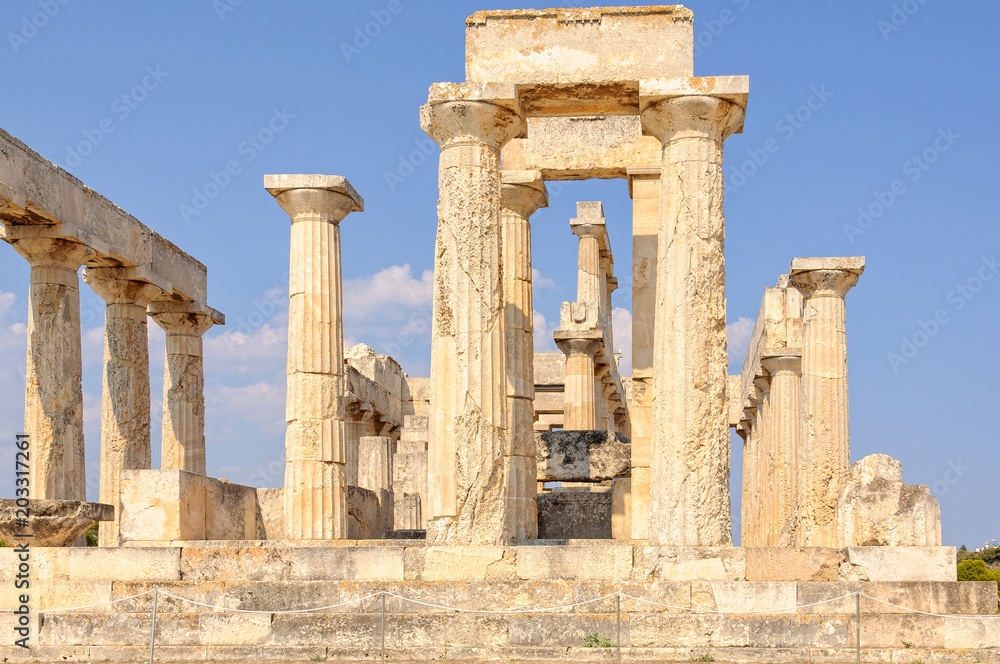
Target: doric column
591 290
53 401
468 418
375 473
690 454
644 187
315 404
183 440
580 409
751 448
824 433
522 194
125 421
761 481
784 411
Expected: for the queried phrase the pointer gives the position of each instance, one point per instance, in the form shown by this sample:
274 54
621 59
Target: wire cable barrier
618 597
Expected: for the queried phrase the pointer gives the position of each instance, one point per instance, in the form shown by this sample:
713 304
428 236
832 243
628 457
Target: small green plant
318 658
592 640
92 535
704 658
907 645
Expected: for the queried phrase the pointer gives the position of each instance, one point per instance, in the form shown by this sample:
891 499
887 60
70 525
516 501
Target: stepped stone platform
668 604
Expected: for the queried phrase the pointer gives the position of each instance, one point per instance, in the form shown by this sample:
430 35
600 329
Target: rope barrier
89 606
736 613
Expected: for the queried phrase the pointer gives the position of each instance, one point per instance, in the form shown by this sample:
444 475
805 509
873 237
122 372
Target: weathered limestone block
315 470
377 380
171 505
597 562
621 509
375 473
794 564
363 520
592 45
574 515
125 414
685 564
468 405
270 514
52 522
582 456
877 509
905 563
690 454
53 403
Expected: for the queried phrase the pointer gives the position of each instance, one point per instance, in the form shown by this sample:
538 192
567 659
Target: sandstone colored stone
877 509
610 563
905 563
51 522
574 515
582 456
793 564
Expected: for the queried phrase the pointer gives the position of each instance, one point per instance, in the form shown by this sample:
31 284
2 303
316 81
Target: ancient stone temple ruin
507 480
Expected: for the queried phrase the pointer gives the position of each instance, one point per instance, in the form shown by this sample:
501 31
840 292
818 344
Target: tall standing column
315 405
591 286
825 423
522 194
125 420
183 436
53 401
644 187
580 409
690 456
468 418
784 411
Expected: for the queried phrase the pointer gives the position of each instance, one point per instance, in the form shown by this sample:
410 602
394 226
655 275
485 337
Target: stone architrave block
582 456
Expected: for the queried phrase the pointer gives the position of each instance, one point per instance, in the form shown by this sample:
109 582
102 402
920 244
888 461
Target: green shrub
592 640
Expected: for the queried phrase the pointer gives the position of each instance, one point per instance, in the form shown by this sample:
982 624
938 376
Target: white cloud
621 321
738 335
540 281
543 332
387 295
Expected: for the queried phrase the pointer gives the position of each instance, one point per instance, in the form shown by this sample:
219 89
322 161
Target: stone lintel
854 264
498 94
642 173
138 273
526 178
280 183
569 335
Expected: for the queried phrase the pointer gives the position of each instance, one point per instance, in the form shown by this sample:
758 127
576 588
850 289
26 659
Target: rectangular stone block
971 633
746 596
230 564
905 563
793 564
594 563
452 563
59 595
350 563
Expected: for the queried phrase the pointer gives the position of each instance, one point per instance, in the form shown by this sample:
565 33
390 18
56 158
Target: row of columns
53 388
795 424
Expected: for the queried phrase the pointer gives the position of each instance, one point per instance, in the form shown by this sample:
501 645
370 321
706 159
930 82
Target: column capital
470 121
302 197
53 252
694 116
570 343
589 221
826 277
190 324
523 192
119 285
782 364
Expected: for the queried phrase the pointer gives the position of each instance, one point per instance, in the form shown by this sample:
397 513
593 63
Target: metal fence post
618 625
857 597
152 632
383 627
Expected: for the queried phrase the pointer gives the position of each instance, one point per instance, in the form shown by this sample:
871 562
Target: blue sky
149 102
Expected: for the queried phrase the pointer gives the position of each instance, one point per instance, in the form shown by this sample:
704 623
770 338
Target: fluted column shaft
183 437
762 461
522 194
125 405
824 434
784 409
468 418
580 409
315 454
751 447
53 401
645 191
690 460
